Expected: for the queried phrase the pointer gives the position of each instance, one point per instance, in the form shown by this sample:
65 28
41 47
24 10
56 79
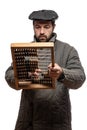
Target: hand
55 72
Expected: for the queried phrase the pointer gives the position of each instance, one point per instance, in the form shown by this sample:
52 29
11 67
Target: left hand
55 72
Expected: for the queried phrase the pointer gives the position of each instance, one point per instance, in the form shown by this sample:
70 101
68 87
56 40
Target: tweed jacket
50 109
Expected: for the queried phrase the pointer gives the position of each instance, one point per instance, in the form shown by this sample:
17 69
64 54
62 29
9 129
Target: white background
15 27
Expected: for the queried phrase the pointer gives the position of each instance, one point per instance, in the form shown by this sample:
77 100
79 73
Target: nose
42 30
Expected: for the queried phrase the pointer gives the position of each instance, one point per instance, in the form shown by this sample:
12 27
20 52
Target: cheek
36 32
49 33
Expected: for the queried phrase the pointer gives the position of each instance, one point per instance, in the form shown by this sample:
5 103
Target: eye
47 26
37 26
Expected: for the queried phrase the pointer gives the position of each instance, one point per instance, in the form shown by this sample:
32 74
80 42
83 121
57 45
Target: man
49 109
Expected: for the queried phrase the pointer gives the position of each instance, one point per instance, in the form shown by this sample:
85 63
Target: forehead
42 22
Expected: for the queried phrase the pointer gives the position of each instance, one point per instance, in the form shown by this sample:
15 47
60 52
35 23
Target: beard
42 38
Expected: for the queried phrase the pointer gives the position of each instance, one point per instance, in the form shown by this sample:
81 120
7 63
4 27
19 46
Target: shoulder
63 45
65 49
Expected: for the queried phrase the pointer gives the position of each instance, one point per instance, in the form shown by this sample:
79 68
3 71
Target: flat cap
43 15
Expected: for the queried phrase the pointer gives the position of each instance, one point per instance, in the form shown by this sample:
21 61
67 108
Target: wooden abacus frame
19 52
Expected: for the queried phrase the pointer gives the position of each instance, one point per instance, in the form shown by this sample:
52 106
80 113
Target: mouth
42 38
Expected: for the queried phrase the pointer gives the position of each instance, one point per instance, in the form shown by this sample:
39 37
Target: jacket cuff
62 77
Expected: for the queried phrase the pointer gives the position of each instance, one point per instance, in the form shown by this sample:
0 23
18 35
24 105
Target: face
43 30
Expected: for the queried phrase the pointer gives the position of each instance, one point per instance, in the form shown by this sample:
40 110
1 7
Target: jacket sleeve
9 77
73 74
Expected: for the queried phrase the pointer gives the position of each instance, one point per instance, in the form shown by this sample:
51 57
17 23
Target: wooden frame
29 56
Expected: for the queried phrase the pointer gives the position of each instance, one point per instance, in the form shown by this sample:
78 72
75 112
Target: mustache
42 36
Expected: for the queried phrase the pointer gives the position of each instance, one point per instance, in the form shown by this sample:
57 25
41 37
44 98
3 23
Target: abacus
27 57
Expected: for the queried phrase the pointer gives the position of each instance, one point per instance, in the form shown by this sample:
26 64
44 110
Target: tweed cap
43 15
